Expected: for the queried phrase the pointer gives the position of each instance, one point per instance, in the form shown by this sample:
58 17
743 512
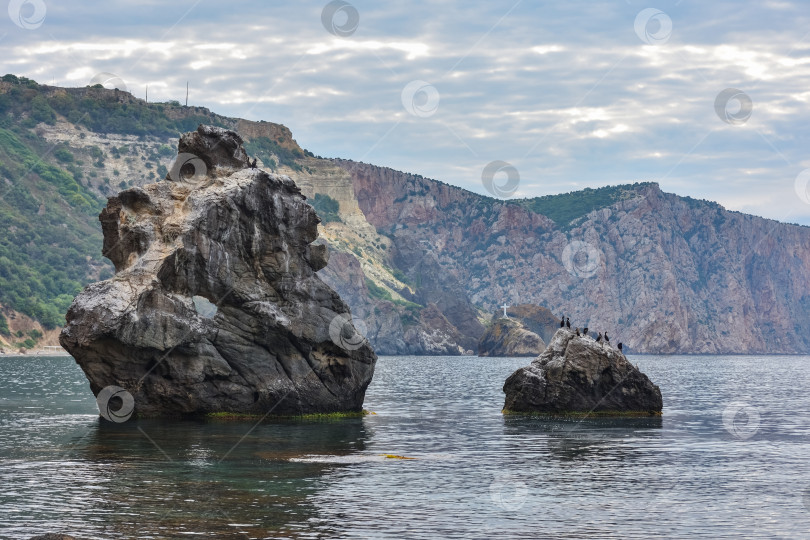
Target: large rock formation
578 375
215 305
537 319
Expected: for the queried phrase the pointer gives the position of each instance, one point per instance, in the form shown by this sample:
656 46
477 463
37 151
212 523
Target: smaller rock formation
523 333
215 306
508 337
577 375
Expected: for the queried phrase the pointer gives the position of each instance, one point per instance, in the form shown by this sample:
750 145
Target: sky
509 99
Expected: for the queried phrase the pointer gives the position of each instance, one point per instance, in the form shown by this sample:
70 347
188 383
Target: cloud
566 92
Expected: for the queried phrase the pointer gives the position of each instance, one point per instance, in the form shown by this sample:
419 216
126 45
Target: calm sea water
476 473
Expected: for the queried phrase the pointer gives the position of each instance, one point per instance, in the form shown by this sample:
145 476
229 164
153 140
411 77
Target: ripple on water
476 473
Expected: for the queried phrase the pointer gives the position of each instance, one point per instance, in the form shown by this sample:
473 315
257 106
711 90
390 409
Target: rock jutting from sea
508 337
578 375
522 332
215 306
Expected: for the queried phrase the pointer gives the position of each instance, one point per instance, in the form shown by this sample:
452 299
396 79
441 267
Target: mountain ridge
689 285
423 263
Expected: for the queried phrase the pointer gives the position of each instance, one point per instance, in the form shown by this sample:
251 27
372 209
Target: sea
434 458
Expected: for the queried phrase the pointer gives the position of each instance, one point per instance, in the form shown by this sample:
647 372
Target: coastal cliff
508 337
215 305
661 272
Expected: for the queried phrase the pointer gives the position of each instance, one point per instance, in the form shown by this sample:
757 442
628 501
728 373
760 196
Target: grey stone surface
240 239
578 375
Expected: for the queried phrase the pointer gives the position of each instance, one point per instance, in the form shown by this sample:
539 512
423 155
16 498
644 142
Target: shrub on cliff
326 208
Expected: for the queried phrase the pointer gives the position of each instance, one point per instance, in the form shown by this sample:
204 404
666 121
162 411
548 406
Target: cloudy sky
570 94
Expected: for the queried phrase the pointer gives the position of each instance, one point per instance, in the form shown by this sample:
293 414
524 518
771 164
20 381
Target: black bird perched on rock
253 164
585 331
568 323
599 337
607 338
577 331
620 346
562 322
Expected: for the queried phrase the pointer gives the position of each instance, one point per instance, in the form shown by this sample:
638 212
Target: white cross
504 311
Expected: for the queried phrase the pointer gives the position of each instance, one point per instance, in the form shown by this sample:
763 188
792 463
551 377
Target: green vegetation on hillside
380 293
265 148
400 275
48 239
20 161
100 110
326 207
566 208
4 331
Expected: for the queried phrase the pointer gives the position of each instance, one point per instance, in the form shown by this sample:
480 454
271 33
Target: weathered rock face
508 337
391 329
215 305
405 321
578 375
671 274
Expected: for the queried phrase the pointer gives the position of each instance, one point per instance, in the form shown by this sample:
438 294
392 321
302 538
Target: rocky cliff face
578 375
431 315
659 272
215 305
396 328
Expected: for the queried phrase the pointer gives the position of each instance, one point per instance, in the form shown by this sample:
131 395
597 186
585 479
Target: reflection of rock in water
216 305
232 441
201 477
575 438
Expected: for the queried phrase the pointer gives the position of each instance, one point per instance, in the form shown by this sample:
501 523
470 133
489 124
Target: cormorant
585 332
568 323
599 337
620 346
253 164
607 338
562 322
577 331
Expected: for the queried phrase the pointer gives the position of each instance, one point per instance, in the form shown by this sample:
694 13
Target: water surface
476 473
